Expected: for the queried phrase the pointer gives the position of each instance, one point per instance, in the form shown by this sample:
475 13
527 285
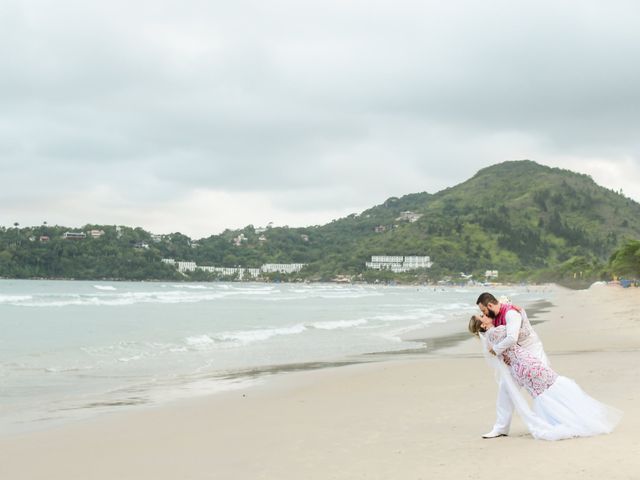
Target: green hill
518 216
521 218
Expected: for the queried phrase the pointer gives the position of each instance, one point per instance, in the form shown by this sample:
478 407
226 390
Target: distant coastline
551 225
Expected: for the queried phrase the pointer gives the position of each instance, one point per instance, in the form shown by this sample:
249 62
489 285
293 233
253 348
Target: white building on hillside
74 235
491 274
387 259
186 266
232 271
241 272
282 267
239 240
399 264
410 216
414 262
254 272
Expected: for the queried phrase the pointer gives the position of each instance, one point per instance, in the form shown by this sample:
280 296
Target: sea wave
108 295
128 351
15 299
199 340
328 295
59 369
428 314
463 307
111 299
131 358
336 324
245 337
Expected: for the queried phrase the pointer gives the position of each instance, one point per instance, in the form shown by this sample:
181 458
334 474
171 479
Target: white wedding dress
561 409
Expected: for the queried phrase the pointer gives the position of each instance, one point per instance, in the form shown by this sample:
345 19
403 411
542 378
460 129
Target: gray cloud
312 108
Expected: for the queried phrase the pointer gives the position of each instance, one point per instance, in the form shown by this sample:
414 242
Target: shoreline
394 283
431 338
434 344
410 417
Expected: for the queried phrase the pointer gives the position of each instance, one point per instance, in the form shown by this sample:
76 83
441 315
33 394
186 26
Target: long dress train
561 409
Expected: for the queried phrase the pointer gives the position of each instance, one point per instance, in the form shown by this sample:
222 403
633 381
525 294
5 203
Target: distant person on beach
518 330
561 409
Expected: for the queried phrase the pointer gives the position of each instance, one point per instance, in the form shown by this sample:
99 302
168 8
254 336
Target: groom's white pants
504 404
504 409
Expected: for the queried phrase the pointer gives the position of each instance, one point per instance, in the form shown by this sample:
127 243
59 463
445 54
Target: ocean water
71 349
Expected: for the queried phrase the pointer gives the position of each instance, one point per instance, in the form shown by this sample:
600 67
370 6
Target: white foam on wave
245 337
424 316
130 359
463 307
337 324
291 296
68 369
15 299
178 349
116 299
248 290
396 317
260 293
260 288
129 351
181 293
330 289
409 314
349 295
199 340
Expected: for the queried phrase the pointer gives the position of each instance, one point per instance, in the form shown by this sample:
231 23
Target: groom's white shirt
504 405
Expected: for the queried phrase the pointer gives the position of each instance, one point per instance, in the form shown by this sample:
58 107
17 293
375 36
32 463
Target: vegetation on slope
526 220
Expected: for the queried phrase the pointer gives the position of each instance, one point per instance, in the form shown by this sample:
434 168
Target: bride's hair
475 325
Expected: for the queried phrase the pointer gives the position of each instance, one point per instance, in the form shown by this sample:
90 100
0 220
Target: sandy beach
411 418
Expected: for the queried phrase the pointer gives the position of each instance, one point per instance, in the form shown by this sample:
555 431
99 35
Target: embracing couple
560 408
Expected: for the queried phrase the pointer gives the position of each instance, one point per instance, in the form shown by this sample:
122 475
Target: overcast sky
196 116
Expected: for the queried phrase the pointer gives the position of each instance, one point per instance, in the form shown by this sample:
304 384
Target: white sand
407 419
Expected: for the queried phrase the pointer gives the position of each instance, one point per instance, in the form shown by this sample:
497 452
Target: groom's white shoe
494 434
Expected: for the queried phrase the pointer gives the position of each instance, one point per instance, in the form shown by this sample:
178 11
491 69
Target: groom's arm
514 322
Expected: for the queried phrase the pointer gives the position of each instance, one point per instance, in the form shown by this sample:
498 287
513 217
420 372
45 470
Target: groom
518 331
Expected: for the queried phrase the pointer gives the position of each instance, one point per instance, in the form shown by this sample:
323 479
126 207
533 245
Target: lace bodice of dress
527 369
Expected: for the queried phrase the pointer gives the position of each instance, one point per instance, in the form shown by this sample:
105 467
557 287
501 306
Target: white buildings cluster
399 263
74 235
241 272
489 274
232 271
239 240
409 216
282 267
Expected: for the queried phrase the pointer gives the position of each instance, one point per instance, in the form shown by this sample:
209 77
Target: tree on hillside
626 260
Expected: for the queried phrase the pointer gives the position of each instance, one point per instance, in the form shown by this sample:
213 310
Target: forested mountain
521 218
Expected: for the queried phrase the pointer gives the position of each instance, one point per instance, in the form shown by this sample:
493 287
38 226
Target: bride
561 409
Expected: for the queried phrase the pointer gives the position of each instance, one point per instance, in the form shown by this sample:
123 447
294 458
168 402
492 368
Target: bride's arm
514 322
492 337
